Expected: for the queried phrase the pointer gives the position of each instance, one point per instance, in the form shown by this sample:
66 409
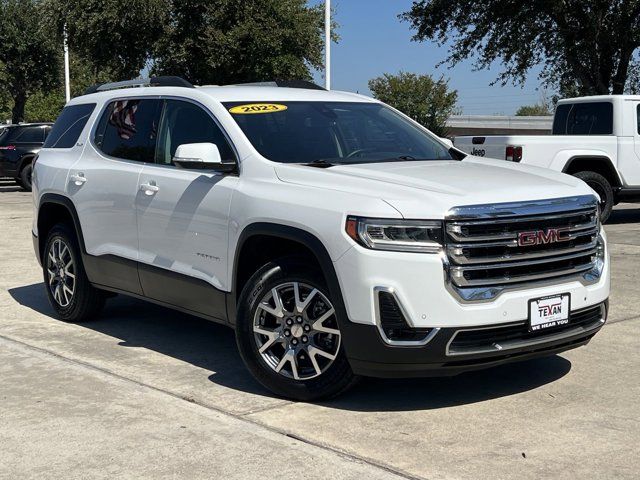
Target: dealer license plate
549 312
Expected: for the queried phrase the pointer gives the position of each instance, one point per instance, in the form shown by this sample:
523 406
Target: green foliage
116 36
44 107
428 101
234 41
216 41
538 109
583 46
29 58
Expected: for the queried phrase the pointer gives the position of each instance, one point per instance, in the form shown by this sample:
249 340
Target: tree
116 37
234 41
537 109
584 46
544 106
30 60
428 101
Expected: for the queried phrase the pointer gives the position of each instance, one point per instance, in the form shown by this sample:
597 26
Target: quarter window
128 129
184 122
69 126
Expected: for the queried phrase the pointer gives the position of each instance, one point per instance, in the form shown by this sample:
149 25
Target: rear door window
128 129
69 126
592 118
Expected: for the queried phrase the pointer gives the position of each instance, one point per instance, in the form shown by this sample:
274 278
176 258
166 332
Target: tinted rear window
69 126
594 118
128 129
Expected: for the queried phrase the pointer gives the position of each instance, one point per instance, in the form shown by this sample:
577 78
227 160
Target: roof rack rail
283 83
165 81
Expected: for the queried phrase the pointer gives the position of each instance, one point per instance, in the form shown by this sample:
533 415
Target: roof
231 93
35 124
600 98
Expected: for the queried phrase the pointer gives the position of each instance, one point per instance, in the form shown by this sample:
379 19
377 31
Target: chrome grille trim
527 278
532 208
461 259
456 229
480 263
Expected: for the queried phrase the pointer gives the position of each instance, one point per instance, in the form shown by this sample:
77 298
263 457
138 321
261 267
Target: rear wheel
288 333
68 288
603 188
25 177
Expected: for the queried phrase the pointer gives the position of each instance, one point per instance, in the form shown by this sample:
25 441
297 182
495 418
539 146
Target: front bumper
448 354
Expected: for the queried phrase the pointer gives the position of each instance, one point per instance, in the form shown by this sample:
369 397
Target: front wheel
288 333
603 188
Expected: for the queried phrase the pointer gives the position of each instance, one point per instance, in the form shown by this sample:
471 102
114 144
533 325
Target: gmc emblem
543 237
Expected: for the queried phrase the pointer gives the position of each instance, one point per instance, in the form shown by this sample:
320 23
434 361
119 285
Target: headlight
422 236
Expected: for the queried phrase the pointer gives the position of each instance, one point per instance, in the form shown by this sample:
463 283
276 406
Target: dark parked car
19 144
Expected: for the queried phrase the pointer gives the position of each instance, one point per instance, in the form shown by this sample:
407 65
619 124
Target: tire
25 177
603 188
318 376
69 291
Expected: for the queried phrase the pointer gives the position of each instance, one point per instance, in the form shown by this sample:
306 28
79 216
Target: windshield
333 132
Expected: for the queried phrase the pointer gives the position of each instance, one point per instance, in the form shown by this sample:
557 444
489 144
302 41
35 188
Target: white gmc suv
335 235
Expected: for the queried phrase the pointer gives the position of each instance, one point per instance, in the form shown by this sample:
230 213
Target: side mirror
201 156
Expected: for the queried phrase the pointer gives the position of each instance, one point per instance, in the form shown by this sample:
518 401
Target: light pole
67 81
327 44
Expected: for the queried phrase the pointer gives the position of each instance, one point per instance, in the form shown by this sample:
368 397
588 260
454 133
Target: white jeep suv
335 235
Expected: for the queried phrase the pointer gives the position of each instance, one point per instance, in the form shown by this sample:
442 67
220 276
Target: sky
374 41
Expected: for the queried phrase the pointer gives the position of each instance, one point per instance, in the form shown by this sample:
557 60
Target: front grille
499 338
484 249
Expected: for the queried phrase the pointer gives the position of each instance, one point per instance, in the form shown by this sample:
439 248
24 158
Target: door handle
149 188
78 179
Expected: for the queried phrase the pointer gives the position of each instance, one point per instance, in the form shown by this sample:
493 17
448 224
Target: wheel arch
594 163
25 160
52 209
301 241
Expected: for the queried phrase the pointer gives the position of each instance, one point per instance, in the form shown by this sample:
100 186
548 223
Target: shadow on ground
8 185
210 346
623 216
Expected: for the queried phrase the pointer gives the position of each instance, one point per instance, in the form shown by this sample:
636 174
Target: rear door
104 185
183 215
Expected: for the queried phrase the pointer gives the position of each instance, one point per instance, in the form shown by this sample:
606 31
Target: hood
428 189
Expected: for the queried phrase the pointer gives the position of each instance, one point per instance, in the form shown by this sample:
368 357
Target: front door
183 216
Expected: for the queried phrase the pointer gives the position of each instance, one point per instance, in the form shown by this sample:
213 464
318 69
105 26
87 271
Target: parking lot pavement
108 397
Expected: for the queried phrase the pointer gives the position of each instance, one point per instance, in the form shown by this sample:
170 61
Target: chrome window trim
398 343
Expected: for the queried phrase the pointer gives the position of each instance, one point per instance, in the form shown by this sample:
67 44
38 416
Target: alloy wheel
61 272
296 331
